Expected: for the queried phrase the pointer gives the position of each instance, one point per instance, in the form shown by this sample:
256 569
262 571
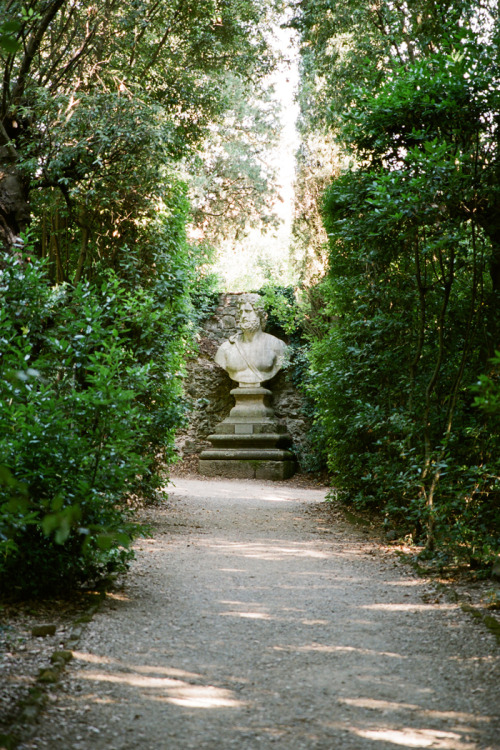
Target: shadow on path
247 623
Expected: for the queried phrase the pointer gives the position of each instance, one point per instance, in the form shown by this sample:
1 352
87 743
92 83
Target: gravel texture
250 621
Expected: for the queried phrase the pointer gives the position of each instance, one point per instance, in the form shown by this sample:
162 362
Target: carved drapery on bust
252 356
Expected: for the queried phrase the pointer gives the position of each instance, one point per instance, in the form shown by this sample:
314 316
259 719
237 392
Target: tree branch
33 46
72 62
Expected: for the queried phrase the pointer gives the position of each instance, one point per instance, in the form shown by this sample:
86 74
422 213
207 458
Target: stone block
225 429
275 470
190 447
230 469
243 429
247 469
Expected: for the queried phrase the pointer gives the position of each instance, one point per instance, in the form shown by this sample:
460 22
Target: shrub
89 400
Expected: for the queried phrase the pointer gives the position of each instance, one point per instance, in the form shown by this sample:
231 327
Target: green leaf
9 44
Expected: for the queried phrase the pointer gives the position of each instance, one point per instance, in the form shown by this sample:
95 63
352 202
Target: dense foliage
98 99
89 401
412 286
106 117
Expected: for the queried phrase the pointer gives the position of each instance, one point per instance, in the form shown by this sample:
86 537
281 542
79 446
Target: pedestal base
250 443
241 468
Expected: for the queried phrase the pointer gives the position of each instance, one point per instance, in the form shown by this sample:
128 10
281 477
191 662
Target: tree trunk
14 206
491 225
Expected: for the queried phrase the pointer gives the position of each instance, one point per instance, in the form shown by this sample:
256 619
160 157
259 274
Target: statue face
249 320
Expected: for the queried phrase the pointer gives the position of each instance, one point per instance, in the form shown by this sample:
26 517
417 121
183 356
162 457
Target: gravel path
250 621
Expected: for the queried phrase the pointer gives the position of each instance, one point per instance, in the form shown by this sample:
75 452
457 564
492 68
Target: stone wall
208 386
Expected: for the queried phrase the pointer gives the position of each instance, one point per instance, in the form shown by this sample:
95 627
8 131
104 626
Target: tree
412 278
90 93
232 185
102 106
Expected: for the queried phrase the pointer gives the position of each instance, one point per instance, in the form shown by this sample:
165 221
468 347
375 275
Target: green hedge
90 397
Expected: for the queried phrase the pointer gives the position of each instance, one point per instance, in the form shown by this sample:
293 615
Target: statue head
252 315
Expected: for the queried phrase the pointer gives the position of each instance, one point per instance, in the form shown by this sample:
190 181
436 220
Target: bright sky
245 265
286 81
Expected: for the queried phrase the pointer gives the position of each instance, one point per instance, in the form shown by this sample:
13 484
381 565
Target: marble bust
251 357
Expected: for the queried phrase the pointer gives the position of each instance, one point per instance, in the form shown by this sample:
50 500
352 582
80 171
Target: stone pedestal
250 442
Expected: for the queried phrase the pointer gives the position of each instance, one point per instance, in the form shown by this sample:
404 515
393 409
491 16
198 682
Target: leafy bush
89 401
413 305
411 293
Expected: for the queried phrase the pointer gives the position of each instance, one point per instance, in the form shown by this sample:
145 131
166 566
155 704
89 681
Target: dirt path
250 622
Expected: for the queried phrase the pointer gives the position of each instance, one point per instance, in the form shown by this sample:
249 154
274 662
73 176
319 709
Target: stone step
249 454
250 440
247 469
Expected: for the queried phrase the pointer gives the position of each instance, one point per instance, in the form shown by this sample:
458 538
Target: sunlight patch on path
268 551
381 705
175 691
419 738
